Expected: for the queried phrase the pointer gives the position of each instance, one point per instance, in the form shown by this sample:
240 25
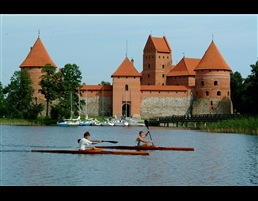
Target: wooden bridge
196 119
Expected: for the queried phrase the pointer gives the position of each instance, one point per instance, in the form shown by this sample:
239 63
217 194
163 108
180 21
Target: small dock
175 120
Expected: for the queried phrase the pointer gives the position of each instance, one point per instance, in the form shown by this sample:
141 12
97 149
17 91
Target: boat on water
95 122
62 123
73 122
134 123
147 148
107 123
96 151
120 123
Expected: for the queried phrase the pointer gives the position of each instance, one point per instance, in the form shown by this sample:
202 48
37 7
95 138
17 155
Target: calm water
218 159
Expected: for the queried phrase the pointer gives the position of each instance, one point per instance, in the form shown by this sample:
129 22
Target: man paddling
85 143
140 141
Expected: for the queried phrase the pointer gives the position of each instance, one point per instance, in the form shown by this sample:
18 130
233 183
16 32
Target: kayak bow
96 151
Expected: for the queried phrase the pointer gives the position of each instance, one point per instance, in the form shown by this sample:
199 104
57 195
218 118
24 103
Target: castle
193 86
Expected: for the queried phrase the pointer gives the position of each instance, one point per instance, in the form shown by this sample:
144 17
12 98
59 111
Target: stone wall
156 106
219 106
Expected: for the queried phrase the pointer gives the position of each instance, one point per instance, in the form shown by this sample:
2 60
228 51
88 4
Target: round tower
212 84
37 58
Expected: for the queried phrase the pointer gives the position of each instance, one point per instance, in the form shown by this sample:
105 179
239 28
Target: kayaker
85 143
140 141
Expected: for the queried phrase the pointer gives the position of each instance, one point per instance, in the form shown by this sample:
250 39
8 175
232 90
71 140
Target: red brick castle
193 86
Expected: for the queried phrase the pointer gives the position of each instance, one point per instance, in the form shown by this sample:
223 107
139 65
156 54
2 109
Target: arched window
218 93
202 83
215 83
207 93
126 87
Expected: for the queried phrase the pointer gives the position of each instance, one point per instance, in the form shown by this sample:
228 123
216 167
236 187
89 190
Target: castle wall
164 106
212 106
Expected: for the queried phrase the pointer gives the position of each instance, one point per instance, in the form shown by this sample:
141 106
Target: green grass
243 126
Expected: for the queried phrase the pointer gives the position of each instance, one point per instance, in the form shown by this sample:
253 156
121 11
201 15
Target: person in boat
85 143
140 141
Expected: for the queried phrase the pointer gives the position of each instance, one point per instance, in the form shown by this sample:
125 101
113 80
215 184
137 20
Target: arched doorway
126 110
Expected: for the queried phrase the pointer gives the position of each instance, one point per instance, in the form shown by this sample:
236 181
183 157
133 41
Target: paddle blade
146 123
78 140
111 141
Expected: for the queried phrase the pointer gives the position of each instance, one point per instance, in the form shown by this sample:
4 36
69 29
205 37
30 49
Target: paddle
103 141
147 125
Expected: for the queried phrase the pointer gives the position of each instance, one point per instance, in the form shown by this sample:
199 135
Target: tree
19 96
104 83
3 110
250 90
49 84
236 86
69 79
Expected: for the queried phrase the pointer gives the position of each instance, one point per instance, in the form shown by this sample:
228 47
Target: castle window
163 57
211 103
163 66
162 84
148 75
148 65
207 93
162 75
167 57
202 83
126 87
215 83
218 93
159 56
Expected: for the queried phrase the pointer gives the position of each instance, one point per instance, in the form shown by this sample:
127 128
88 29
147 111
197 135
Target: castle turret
212 82
157 61
37 58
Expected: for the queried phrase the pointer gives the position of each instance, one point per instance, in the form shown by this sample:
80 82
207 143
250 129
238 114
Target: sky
99 43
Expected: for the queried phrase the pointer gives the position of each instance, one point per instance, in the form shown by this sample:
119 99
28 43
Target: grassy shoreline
243 126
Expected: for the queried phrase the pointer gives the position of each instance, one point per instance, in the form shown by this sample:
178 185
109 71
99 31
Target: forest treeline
17 101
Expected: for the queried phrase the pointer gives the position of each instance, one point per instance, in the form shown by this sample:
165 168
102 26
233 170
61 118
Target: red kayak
147 148
97 151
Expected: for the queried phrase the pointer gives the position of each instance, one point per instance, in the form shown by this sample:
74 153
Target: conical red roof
212 60
126 69
38 56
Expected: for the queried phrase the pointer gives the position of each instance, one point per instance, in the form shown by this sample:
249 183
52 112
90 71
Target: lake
218 159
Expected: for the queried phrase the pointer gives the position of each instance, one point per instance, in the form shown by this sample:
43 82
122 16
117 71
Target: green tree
250 91
237 90
3 110
69 79
104 83
49 84
19 97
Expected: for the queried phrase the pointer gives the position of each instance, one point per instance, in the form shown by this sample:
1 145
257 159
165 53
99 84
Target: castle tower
37 58
126 90
157 61
212 82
